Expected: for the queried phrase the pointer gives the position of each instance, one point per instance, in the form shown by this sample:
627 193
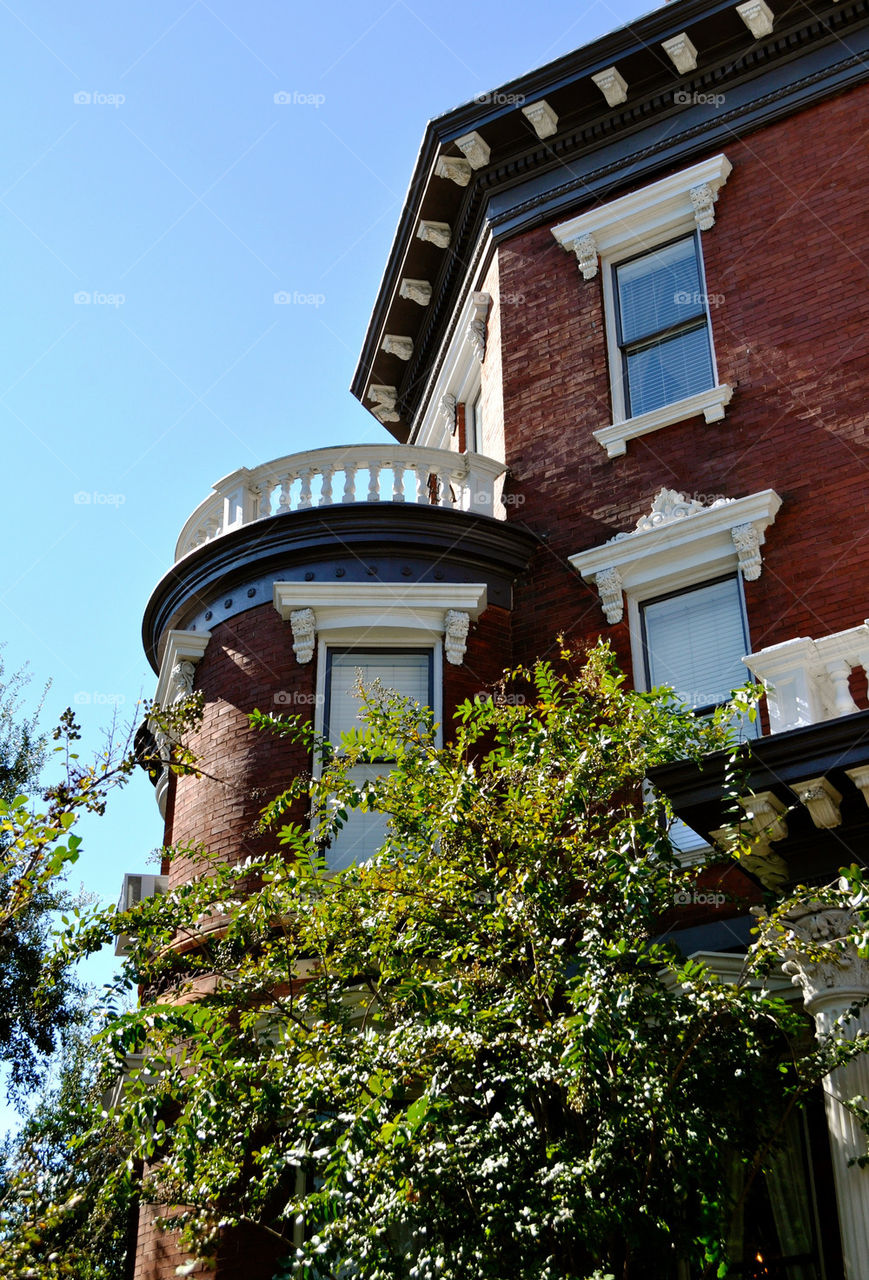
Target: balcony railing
808 681
355 473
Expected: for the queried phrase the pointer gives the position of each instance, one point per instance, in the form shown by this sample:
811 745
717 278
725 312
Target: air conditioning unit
135 889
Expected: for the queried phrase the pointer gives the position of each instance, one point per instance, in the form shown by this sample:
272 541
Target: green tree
44 1165
470 1056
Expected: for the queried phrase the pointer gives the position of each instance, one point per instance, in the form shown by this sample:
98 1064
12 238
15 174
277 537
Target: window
695 640
663 326
646 246
410 672
473 424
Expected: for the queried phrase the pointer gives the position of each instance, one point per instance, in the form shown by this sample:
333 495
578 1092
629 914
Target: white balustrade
806 681
356 473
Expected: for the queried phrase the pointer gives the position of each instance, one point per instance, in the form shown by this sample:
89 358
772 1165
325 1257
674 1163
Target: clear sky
147 166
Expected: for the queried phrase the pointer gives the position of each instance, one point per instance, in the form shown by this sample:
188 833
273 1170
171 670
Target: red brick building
622 345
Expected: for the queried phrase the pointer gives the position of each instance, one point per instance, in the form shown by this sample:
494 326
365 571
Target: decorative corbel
542 118
436 233
681 53
612 85
746 539
396 345
418 291
703 199
760 860
609 588
455 168
383 402
860 778
304 625
475 335
456 626
765 815
822 801
475 149
757 16
448 412
585 248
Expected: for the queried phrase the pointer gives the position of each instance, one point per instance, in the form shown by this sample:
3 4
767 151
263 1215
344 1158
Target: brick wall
788 255
249 663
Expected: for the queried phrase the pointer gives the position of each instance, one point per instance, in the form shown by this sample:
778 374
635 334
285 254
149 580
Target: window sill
710 403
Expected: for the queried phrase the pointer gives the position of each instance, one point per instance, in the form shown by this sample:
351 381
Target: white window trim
381 611
388 639
681 543
634 224
459 377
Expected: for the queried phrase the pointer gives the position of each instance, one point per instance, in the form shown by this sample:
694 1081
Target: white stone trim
681 52
644 218
612 85
183 649
680 543
437 233
181 646
455 169
757 16
541 117
383 609
634 224
418 291
806 681
710 403
459 374
475 149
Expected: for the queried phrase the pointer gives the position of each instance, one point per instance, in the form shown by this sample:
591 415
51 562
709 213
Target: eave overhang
776 764
814 50
400 543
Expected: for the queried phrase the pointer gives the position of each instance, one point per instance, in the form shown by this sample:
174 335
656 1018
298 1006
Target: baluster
398 469
263 500
326 492
349 494
305 491
286 484
373 482
445 497
419 480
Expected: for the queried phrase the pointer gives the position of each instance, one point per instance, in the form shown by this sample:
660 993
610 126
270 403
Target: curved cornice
408 543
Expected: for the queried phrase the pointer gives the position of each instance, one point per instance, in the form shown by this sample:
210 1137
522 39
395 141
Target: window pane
669 370
406 673
659 290
695 642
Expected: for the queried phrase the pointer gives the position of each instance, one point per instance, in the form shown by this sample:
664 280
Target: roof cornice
816 48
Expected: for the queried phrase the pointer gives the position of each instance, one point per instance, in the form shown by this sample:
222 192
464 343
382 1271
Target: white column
831 983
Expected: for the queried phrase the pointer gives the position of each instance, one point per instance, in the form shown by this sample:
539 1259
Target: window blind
695 642
408 674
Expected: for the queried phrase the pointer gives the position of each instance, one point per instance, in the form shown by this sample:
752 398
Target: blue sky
147 166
